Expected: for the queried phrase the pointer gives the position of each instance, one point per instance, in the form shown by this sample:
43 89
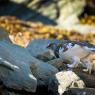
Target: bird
75 53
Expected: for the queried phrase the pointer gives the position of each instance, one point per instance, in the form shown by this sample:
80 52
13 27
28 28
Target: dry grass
24 31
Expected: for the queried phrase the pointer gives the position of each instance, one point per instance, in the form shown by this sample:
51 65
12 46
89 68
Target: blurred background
26 20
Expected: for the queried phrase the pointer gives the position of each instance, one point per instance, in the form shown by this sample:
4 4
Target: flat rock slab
23 70
14 70
37 47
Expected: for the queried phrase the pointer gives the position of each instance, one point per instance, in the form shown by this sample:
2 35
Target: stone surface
27 67
38 47
14 71
89 79
4 34
81 91
47 55
42 71
58 63
63 80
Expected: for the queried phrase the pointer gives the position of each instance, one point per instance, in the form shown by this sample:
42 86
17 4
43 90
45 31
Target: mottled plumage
74 52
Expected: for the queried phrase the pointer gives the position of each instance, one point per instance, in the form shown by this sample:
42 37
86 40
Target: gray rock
4 34
47 55
38 47
58 63
14 71
17 75
63 80
42 71
89 79
82 91
6 92
26 65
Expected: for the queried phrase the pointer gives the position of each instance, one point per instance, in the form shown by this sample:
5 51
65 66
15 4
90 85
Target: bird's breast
75 51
